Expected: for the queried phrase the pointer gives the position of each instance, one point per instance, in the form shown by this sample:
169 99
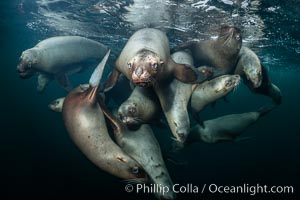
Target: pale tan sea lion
56 57
210 91
140 108
145 60
174 97
256 75
142 145
225 128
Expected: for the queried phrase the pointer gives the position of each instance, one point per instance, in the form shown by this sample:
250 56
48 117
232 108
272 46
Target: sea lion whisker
228 39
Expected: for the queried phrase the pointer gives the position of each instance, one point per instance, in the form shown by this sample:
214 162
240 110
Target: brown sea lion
210 91
86 126
256 75
221 54
56 57
140 108
225 128
145 60
142 145
174 97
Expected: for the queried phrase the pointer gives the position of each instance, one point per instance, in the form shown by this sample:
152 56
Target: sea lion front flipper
63 81
183 46
267 88
111 80
265 110
198 118
43 80
213 104
189 74
114 121
175 161
226 99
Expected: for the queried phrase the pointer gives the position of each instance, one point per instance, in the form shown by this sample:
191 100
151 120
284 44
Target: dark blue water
39 160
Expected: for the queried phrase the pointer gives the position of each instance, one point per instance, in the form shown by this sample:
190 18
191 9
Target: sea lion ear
188 74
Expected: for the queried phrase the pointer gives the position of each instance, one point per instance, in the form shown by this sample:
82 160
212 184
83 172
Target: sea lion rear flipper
111 80
63 81
43 80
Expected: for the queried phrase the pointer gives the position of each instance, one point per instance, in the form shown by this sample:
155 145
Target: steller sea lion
221 54
142 145
249 67
256 75
225 128
210 91
86 126
140 108
145 60
56 57
174 97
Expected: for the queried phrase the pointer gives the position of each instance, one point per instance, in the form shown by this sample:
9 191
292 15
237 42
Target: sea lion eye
135 170
154 66
129 65
238 37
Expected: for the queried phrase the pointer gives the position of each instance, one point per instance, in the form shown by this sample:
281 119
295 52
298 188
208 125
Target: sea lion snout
24 67
141 77
232 81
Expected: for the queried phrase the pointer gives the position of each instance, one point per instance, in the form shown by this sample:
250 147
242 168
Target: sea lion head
57 104
231 37
226 83
144 67
128 113
26 62
254 75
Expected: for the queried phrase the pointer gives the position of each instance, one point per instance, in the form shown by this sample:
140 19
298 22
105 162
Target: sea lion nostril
139 71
